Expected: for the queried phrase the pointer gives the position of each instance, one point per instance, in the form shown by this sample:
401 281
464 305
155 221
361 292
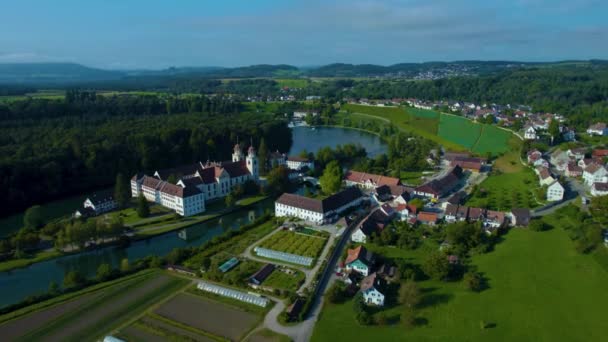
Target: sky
154 34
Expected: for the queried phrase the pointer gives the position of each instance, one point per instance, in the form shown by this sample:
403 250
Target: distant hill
66 73
53 73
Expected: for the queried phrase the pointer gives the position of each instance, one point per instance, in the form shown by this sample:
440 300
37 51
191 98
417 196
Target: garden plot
295 243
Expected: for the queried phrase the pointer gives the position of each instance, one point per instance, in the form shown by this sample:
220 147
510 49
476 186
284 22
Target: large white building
298 163
315 210
197 183
555 192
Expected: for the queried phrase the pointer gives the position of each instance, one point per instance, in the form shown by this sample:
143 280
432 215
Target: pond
312 139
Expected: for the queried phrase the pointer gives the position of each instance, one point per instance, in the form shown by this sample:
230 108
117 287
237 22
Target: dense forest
55 148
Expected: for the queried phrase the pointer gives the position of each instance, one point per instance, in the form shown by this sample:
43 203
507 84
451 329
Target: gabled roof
442 185
593 168
362 177
424 216
101 197
463 212
361 254
371 281
496 216
600 186
476 213
330 203
451 209
298 159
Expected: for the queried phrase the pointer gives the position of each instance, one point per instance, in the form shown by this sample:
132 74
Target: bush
473 281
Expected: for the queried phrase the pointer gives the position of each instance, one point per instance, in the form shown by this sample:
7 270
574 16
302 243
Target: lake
20 283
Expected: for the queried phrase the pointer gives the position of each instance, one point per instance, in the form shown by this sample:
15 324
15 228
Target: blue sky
123 34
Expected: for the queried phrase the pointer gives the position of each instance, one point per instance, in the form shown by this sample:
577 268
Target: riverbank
143 234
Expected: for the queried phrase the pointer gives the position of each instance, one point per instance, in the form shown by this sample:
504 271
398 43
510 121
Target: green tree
143 208
436 266
124 265
53 288
104 271
73 279
33 217
278 179
122 191
230 200
554 131
409 294
263 156
331 180
473 281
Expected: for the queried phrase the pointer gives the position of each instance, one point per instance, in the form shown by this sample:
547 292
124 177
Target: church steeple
237 155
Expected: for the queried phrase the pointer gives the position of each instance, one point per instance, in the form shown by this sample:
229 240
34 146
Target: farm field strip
117 305
169 329
218 319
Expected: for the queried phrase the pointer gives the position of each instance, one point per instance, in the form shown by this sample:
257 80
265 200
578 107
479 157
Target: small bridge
312 180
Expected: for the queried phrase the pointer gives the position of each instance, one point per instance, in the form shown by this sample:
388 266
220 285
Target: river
20 283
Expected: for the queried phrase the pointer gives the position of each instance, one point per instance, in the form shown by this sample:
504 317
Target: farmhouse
440 187
406 211
396 193
370 289
373 223
97 204
298 163
597 129
494 219
595 173
197 183
318 211
476 214
359 260
471 164
544 175
368 180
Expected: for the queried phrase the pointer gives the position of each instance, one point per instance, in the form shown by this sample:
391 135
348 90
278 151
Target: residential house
359 260
555 192
600 154
315 210
584 163
573 170
101 202
427 218
398 194
520 217
476 214
439 187
406 211
595 173
534 155
597 129
277 158
494 219
371 287
530 133
577 153
451 210
299 163
544 175
599 189
457 198
375 222
368 180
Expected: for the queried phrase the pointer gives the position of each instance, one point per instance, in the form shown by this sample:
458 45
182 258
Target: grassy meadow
539 289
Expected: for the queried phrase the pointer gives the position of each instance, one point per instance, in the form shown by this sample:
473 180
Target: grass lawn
284 281
540 289
459 130
292 82
507 191
411 177
294 243
492 140
266 335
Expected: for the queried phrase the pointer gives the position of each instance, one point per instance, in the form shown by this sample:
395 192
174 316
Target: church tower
252 163
237 155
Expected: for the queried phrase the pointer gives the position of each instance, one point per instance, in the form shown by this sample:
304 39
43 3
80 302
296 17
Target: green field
459 130
295 243
292 82
540 289
453 132
91 314
282 280
506 191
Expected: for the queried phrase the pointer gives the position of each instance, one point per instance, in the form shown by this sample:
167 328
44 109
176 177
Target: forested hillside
54 148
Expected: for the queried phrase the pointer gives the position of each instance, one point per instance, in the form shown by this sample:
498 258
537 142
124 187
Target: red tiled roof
427 217
362 177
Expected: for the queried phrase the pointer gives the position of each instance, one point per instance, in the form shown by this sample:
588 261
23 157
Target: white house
595 173
599 189
555 192
530 133
598 129
298 163
369 180
544 175
359 260
197 183
370 289
318 211
101 202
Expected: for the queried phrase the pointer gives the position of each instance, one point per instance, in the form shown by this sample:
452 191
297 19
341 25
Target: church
197 183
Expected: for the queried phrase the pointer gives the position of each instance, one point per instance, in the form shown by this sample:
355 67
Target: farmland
295 243
525 272
216 318
94 313
283 280
452 131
